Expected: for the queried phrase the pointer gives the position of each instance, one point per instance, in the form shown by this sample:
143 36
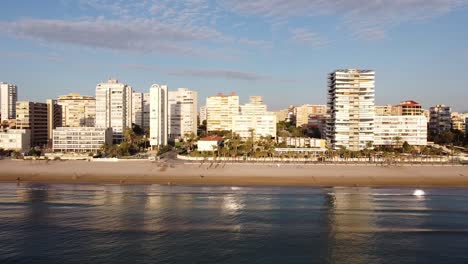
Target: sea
88 223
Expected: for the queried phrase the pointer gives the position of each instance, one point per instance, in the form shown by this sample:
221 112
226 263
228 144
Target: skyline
259 47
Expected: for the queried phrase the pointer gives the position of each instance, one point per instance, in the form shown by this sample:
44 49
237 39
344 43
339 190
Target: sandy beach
145 172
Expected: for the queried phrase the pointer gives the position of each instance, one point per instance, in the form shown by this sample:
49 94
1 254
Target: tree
407 147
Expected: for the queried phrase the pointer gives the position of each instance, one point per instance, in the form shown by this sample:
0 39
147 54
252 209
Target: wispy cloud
219 74
136 35
366 18
306 37
225 74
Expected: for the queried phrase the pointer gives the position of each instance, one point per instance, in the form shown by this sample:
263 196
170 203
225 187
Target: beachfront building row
8 99
249 120
351 109
81 139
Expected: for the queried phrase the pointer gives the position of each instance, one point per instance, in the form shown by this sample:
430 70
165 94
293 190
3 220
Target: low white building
81 139
210 143
391 129
15 139
303 142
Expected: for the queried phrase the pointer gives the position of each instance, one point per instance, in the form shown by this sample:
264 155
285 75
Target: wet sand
145 172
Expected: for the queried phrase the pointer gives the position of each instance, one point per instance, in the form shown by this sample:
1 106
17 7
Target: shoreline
179 173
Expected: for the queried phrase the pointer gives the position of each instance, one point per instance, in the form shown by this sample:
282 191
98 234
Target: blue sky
280 49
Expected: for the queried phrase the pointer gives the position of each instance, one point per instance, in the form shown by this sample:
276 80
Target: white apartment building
182 113
351 109
141 110
220 110
394 130
440 119
303 112
8 98
158 115
114 107
254 120
80 139
15 139
77 110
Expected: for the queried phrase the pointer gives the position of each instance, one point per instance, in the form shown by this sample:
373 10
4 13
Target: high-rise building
77 110
254 120
219 111
458 121
158 115
182 113
114 107
395 130
54 118
8 98
351 109
440 119
141 110
33 116
303 112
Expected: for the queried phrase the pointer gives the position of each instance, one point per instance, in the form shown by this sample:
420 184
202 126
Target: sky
279 49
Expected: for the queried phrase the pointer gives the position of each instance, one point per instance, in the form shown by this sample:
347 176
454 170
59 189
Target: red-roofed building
410 108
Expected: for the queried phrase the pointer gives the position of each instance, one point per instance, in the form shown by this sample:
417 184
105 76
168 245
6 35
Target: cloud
221 74
306 37
135 35
365 18
201 73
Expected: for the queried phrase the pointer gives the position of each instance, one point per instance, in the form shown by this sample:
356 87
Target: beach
179 173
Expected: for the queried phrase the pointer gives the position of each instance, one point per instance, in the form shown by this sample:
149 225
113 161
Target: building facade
458 121
182 113
77 110
395 130
114 107
141 110
351 109
158 115
81 139
220 110
202 115
440 119
8 99
254 120
33 116
54 118
303 112
282 115
15 139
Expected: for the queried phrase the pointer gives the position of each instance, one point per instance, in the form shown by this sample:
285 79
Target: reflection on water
163 224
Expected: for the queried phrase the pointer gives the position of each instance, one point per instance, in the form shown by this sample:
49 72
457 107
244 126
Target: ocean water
42 223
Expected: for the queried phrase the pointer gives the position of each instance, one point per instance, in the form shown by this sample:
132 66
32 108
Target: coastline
178 173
